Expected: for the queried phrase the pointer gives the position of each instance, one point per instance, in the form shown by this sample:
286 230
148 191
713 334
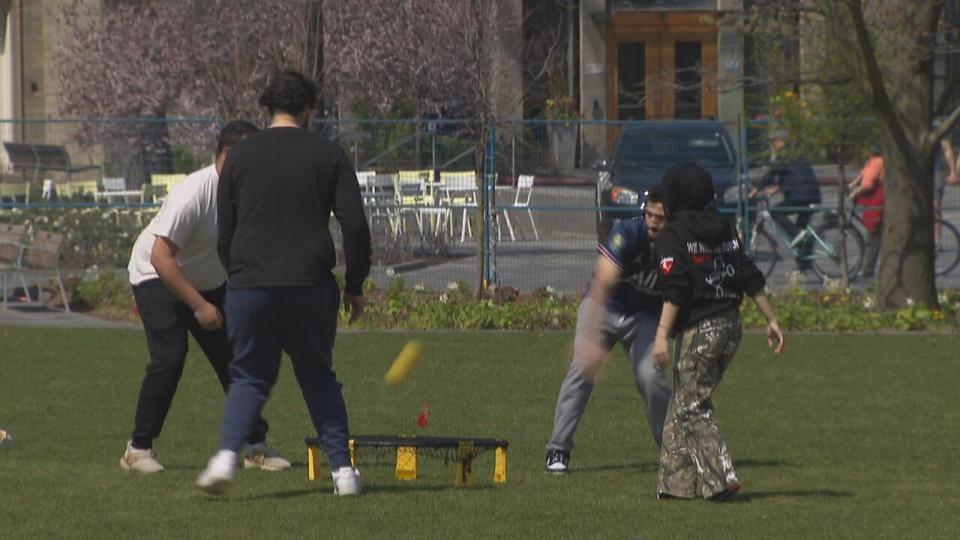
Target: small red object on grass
424 417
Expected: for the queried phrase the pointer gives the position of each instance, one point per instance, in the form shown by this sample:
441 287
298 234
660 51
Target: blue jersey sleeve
626 242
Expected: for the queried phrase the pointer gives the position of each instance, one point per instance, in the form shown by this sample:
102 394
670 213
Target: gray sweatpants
636 333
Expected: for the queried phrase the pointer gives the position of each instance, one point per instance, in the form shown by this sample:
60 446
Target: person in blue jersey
622 304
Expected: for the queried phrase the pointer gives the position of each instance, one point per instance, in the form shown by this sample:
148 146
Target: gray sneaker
141 461
261 456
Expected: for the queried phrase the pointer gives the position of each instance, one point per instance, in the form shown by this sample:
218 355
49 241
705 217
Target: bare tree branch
945 127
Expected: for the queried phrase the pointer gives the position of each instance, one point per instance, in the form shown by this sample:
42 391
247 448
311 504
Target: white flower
869 302
419 287
444 298
942 298
909 302
452 286
832 285
550 290
106 215
391 272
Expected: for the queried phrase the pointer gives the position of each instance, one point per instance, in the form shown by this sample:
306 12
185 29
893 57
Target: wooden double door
661 66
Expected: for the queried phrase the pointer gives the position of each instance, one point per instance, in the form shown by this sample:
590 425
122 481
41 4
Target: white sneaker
220 471
346 481
6 439
261 456
142 461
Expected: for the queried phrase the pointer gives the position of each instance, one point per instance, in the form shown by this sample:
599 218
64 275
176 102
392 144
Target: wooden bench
39 158
465 448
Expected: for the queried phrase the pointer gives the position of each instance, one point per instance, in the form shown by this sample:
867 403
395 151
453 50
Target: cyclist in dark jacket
704 273
796 181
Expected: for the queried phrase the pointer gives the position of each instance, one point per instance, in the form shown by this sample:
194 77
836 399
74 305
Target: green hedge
401 308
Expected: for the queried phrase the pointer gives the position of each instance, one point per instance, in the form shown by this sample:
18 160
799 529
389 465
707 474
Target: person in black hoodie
274 201
704 273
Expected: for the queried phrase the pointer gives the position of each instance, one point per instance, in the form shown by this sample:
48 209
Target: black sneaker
557 461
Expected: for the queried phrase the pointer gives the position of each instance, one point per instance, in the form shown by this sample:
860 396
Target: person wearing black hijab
704 274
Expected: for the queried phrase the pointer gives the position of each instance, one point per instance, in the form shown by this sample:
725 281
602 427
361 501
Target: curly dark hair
654 195
233 133
290 92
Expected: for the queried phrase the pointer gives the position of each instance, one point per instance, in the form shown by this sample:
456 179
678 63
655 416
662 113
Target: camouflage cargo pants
693 447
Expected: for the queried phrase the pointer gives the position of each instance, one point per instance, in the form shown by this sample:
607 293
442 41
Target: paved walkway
35 314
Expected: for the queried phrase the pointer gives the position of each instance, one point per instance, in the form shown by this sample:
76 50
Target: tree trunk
896 66
906 254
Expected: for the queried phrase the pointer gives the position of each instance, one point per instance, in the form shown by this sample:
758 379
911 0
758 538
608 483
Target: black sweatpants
166 321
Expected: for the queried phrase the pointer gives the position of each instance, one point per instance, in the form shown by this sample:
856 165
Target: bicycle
824 252
946 238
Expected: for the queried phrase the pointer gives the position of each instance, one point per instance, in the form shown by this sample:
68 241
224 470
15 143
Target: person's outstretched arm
774 334
605 276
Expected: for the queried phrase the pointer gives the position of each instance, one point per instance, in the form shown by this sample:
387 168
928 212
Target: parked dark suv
645 150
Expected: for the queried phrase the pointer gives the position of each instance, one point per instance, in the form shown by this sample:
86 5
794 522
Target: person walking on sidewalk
178 286
274 204
622 304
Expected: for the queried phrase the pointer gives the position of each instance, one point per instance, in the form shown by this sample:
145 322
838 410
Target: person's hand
353 304
775 337
660 352
209 317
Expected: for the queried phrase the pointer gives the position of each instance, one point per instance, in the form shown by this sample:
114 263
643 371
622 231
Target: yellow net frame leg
313 461
464 464
406 463
352 446
500 466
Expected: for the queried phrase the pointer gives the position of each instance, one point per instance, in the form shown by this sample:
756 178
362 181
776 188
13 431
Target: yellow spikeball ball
404 363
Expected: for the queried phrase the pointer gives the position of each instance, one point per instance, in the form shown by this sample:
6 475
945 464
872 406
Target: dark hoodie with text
703 267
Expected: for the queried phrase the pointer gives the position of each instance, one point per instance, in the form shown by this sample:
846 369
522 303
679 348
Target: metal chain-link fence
516 203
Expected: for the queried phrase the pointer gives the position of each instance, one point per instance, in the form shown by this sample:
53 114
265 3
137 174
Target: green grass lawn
844 436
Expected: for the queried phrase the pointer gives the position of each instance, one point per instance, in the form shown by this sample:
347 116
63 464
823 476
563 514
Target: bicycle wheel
826 251
763 251
946 249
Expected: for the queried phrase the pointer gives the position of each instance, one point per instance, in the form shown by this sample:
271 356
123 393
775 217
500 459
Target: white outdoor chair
112 186
521 202
459 192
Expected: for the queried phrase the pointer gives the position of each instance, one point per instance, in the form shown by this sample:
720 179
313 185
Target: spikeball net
459 450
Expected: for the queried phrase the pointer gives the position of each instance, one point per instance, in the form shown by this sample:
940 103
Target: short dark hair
290 92
233 133
653 195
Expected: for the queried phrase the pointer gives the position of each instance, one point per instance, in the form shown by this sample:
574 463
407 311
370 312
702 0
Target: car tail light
624 196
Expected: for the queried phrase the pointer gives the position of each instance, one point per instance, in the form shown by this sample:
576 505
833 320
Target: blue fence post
743 205
489 198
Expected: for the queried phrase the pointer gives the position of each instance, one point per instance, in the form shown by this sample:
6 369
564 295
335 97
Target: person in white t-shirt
178 284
